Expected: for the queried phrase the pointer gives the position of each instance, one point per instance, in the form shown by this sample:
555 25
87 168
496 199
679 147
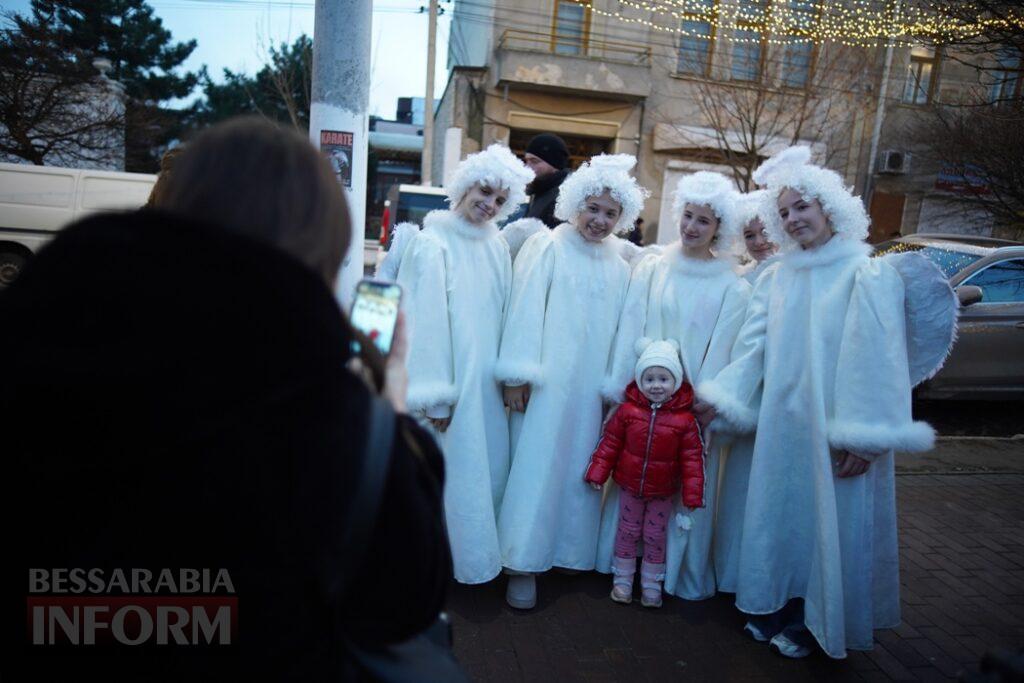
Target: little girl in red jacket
650 445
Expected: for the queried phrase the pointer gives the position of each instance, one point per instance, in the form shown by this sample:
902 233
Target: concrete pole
427 159
338 122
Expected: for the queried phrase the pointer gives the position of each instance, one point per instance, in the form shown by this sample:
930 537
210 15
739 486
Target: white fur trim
518 373
740 417
718 192
496 167
605 172
912 437
424 396
517 232
790 169
612 391
699 267
834 250
445 219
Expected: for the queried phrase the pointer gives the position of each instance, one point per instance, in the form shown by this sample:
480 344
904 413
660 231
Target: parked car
987 274
37 201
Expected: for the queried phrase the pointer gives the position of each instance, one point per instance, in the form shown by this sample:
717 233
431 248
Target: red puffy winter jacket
650 449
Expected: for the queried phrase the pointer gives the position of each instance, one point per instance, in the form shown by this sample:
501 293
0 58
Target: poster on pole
336 145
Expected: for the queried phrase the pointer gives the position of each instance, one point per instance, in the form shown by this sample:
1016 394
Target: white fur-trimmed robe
825 333
732 486
700 304
456 279
567 294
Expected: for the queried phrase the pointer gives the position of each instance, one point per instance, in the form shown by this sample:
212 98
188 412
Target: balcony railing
589 46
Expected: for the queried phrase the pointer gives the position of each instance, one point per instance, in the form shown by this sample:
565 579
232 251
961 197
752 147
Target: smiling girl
456 277
567 294
826 338
689 293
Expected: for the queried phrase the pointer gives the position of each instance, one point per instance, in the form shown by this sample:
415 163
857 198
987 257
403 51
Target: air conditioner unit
894 162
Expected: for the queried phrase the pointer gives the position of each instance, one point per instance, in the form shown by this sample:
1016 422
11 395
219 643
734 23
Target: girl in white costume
689 293
456 276
568 289
826 335
753 208
753 211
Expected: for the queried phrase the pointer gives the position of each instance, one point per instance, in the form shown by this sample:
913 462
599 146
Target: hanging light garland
854 23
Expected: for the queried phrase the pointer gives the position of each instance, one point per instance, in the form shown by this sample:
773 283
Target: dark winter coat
177 396
543 194
648 450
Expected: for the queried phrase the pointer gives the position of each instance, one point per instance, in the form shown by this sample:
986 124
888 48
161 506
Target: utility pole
876 132
338 123
428 100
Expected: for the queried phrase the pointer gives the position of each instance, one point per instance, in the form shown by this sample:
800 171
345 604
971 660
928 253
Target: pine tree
144 59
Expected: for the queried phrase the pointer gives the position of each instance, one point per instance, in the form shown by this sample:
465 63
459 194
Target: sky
234 34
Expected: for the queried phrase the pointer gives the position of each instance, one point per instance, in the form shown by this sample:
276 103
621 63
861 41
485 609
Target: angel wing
517 232
932 310
402 235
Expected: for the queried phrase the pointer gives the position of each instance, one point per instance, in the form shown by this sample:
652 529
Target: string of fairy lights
855 23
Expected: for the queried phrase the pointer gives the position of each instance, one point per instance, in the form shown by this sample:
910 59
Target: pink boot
623 569
651 576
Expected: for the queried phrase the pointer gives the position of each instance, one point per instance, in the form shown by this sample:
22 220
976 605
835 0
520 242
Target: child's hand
704 412
594 485
516 398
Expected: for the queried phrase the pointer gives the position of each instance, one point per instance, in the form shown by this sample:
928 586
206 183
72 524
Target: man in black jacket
548 156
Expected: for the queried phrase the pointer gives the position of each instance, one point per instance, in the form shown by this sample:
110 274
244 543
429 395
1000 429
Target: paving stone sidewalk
962 576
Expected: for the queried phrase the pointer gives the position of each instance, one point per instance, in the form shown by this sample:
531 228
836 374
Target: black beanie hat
550 148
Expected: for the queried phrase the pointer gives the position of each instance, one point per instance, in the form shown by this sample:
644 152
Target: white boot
623 569
651 576
522 591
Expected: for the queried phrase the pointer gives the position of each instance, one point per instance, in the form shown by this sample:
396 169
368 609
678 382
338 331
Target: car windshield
949 261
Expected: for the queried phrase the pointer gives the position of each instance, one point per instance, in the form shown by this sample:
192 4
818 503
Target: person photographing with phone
192 406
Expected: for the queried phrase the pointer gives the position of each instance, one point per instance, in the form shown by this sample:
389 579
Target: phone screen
375 311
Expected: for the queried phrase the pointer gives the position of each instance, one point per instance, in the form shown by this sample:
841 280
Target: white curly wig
791 169
714 190
496 167
604 172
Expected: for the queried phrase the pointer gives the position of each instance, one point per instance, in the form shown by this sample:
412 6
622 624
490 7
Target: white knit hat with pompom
605 172
659 354
496 167
714 190
792 169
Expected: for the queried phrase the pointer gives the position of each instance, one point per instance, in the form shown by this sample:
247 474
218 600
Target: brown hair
166 171
268 182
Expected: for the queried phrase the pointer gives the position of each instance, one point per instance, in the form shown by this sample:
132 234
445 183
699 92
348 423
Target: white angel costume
826 336
566 299
700 304
734 473
456 279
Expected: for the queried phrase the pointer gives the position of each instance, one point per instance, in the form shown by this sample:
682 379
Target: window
1008 75
796 64
695 41
1001 282
921 73
800 18
748 40
572 24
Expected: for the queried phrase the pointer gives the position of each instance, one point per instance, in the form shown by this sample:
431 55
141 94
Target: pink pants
645 518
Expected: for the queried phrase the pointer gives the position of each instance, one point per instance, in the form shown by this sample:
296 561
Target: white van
37 201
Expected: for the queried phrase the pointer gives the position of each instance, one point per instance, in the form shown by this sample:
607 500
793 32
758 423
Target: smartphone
375 311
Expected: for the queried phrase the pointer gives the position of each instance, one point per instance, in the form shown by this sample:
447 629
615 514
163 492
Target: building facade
695 92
